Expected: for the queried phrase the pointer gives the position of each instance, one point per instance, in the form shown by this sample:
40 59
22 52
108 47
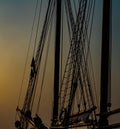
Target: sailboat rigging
73 100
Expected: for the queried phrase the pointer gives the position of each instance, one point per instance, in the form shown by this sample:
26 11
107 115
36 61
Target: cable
40 48
48 43
28 51
37 27
29 44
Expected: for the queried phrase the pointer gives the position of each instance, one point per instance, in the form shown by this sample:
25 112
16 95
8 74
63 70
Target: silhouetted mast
57 60
105 61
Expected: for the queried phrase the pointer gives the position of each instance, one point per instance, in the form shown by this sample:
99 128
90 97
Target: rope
29 44
83 54
37 27
90 53
75 7
40 47
47 51
85 70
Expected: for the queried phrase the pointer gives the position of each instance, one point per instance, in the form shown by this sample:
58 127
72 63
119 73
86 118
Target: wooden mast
105 61
57 60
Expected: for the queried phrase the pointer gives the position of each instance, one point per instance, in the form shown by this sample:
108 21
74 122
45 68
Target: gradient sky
15 26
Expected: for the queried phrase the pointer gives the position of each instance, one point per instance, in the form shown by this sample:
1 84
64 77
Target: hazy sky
15 26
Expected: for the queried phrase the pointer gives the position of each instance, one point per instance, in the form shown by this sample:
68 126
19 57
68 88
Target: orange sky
15 26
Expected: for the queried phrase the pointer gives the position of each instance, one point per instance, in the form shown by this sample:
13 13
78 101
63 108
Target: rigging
76 77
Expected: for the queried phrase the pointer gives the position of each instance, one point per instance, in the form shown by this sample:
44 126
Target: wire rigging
29 44
43 40
79 35
75 91
46 57
38 22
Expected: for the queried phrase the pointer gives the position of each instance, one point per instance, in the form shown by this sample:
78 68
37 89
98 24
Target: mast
57 60
105 61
